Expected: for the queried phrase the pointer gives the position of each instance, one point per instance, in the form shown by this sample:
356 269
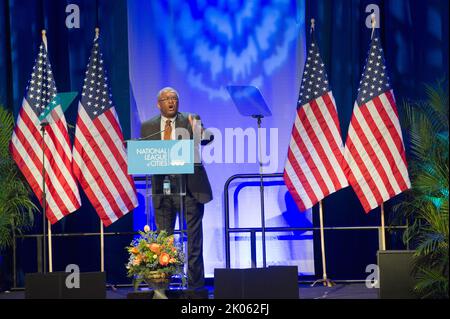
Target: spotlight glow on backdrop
200 47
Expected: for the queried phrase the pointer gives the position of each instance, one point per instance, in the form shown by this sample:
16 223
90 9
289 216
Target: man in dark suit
198 188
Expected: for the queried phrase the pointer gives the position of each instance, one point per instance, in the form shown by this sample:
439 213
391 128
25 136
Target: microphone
146 137
151 135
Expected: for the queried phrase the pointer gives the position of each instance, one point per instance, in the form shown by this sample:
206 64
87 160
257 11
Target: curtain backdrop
414 36
21 22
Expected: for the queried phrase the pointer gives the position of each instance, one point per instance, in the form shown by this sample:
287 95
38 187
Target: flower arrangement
154 257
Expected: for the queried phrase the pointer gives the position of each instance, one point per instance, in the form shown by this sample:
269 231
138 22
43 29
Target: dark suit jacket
197 184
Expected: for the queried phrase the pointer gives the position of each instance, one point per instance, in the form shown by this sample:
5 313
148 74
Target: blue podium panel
160 157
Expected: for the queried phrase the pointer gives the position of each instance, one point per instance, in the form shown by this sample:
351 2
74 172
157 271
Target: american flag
100 161
62 195
314 166
377 168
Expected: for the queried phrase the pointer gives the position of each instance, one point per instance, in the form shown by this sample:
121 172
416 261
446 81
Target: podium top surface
248 100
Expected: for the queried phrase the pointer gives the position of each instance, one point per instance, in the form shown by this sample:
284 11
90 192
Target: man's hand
200 134
196 125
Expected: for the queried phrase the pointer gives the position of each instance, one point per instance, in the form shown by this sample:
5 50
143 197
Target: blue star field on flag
315 82
374 79
95 97
41 88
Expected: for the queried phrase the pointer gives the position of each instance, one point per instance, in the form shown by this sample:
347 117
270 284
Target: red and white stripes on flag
377 168
100 161
62 195
314 166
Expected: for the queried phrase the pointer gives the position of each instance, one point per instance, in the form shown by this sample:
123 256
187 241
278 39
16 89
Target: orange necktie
168 130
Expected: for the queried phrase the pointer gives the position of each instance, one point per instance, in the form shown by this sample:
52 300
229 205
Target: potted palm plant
426 203
16 206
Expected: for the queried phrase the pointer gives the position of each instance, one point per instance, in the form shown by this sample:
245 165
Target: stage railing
228 230
253 230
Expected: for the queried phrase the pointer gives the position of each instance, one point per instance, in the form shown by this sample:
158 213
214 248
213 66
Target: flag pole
326 282
102 247
374 22
44 200
50 254
382 226
102 233
382 233
44 196
322 245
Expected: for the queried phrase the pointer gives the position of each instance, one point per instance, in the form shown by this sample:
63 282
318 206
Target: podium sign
160 157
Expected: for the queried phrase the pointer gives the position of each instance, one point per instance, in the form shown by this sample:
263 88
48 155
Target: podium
164 163
157 188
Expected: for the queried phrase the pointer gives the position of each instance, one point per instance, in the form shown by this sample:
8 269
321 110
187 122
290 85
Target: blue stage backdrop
200 47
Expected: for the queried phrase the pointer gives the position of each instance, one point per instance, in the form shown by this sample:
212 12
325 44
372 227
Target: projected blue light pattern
218 41
200 47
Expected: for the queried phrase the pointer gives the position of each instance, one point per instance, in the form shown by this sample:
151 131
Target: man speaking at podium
198 188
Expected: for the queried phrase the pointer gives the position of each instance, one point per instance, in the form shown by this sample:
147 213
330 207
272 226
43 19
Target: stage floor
340 291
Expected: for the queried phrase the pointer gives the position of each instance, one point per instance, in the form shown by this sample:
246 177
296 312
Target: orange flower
164 259
155 248
172 260
134 250
174 249
137 260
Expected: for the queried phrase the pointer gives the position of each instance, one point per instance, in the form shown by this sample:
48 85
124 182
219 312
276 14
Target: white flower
146 228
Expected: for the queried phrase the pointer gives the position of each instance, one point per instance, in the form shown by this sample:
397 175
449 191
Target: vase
158 282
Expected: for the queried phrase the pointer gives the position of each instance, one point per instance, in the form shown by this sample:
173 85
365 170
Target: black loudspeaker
53 286
43 286
277 282
395 278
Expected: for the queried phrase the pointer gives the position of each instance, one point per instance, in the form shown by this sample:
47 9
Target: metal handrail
228 229
227 209
253 230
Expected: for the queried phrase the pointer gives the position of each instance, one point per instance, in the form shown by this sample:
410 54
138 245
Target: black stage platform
340 291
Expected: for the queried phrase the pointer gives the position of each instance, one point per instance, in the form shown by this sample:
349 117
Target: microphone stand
145 137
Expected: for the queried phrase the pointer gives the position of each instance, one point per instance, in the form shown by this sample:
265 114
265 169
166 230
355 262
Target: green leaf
426 203
16 207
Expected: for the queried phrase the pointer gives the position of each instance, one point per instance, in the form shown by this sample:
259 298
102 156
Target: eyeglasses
171 98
